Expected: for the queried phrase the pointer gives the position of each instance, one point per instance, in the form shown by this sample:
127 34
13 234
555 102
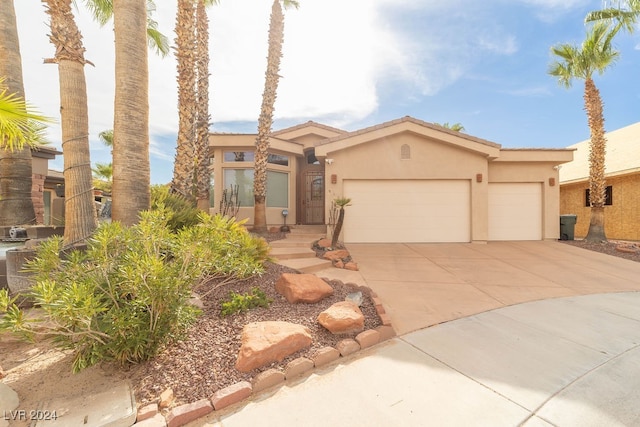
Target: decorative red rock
306 288
342 317
267 342
338 254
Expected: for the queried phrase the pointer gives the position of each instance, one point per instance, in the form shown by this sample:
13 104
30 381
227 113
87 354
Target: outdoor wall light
329 161
285 227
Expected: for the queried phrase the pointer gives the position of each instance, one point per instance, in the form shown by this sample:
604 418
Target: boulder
267 342
338 254
342 317
324 243
306 288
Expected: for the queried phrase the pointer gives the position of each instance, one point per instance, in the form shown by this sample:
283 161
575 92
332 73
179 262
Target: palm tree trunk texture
597 183
185 161
265 121
131 169
203 174
16 173
80 215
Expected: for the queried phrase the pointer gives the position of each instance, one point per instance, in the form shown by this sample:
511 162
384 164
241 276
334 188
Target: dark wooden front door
313 198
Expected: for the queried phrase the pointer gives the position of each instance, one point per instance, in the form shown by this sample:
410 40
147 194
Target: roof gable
409 124
308 128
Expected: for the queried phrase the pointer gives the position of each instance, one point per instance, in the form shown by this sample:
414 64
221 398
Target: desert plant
230 202
338 205
239 303
183 212
121 299
224 248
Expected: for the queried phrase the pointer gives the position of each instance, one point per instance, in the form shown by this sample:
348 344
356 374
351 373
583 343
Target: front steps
295 250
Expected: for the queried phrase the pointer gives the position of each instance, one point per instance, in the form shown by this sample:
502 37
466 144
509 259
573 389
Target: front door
313 198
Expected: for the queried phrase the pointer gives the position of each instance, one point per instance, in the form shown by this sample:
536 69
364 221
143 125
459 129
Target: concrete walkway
568 358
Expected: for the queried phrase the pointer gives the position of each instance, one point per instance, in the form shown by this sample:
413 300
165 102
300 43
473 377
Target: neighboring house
45 202
622 172
409 181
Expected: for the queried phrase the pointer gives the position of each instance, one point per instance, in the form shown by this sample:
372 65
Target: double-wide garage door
407 211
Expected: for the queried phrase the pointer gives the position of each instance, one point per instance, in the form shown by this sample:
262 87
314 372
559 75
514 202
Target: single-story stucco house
409 181
622 173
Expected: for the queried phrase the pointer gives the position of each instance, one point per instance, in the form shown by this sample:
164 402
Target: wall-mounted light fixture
478 177
328 161
552 182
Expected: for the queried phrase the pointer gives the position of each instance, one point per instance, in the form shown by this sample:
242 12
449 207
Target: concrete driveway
426 284
537 334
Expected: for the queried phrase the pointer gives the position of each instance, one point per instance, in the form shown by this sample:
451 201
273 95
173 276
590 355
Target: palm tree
131 167
265 121
595 54
184 165
191 168
455 127
19 126
203 181
626 15
80 214
16 204
103 172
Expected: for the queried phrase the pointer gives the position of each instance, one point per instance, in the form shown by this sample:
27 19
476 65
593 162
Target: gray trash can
567 226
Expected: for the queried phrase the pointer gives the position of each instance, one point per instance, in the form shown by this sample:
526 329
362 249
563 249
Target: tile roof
309 123
622 157
412 120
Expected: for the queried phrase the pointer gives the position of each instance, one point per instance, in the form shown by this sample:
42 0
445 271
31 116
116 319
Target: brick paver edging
150 415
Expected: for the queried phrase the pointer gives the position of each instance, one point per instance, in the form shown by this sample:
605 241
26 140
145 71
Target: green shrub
126 295
239 303
121 299
183 213
222 247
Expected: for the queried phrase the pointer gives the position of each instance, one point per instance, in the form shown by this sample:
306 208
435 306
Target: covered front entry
407 211
515 211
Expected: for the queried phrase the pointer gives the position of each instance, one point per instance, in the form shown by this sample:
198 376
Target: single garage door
407 211
515 211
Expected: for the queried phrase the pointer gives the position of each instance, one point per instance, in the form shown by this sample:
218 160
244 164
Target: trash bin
567 226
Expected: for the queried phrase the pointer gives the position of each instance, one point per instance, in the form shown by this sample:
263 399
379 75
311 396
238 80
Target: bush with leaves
183 212
126 296
121 299
239 303
224 248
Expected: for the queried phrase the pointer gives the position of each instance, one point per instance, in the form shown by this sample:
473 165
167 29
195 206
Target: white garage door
407 211
515 211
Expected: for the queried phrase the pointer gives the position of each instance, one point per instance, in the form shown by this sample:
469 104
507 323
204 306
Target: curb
152 416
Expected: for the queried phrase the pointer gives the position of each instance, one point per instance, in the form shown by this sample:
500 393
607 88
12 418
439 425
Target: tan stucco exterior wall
381 159
622 218
534 172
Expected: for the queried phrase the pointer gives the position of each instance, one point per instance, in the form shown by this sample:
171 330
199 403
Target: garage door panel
407 211
515 211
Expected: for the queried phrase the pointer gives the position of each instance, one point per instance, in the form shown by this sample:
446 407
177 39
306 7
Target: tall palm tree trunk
597 182
80 215
203 180
16 171
265 121
185 164
131 169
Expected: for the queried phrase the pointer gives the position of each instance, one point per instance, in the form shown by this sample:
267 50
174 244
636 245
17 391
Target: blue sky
356 63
